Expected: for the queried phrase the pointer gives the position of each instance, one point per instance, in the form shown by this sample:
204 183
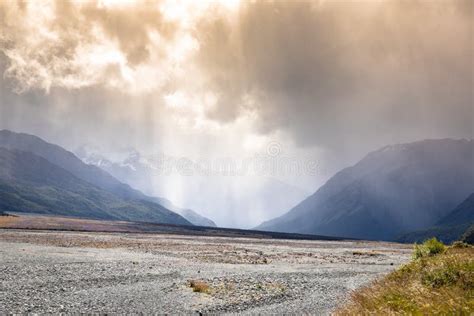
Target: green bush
429 248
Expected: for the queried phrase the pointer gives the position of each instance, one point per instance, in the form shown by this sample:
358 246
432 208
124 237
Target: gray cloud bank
343 72
328 72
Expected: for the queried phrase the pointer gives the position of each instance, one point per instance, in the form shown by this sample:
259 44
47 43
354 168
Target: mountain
462 214
449 228
68 161
195 218
190 215
32 184
128 166
468 236
136 171
394 190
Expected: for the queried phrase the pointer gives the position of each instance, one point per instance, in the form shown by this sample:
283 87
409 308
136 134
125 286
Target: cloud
330 74
81 44
338 72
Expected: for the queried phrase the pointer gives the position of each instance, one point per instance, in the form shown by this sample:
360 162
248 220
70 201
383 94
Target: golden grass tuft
199 286
441 283
429 248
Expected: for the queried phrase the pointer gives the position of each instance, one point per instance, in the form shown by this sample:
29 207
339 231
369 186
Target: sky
316 84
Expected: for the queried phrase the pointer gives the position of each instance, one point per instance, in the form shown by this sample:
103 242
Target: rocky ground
54 272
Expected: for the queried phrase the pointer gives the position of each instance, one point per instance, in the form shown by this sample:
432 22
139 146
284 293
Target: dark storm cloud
341 72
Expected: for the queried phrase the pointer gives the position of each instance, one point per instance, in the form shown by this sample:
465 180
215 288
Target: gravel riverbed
65 272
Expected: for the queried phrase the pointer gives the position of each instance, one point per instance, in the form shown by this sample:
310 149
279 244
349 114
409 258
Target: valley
227 157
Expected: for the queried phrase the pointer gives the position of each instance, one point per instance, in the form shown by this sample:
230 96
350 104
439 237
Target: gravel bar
68 272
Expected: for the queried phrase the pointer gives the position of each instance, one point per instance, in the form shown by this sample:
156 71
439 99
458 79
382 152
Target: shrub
199 286
445 274
429 248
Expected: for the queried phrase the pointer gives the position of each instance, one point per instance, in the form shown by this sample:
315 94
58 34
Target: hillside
32 184
68 161
190 215
468 236
462 214
391 191
448 229
437 283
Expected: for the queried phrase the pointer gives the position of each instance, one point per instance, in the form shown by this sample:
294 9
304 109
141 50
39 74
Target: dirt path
124 273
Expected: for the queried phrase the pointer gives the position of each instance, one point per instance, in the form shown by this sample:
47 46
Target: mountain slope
32 184
68 161
196 218
468 235
193 217
463 213
393 190
449 228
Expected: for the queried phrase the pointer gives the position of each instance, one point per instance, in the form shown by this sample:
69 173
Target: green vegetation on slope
439 280
446 234
107 197
31 184
449 228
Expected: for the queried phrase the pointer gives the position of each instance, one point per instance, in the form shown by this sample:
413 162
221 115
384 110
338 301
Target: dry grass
7 220
199 286
441 283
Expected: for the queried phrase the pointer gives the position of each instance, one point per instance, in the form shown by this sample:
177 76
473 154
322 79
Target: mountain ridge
388 185
32 184
68 161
